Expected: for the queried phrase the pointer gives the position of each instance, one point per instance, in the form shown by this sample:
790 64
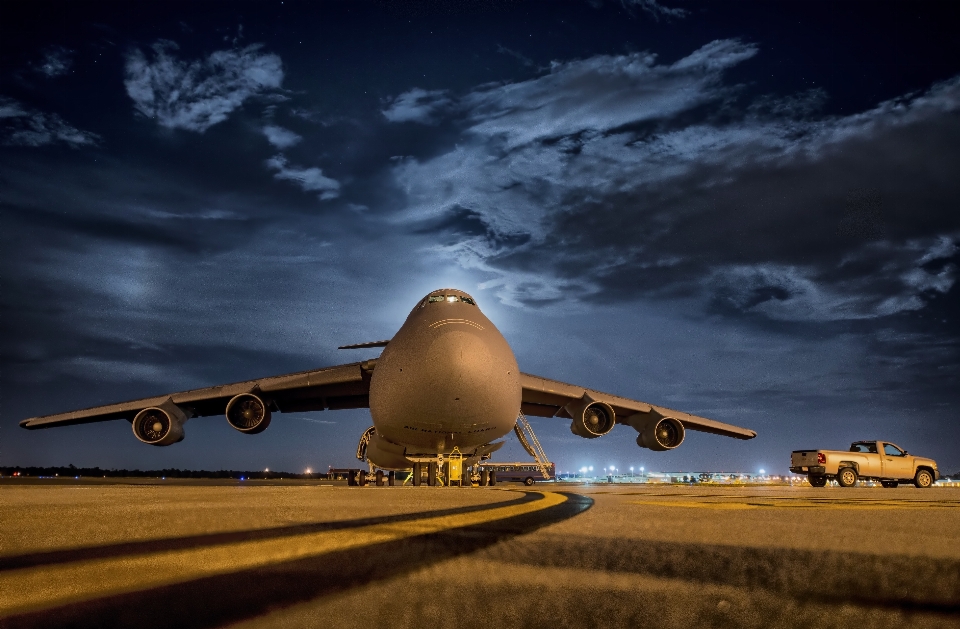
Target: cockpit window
450 299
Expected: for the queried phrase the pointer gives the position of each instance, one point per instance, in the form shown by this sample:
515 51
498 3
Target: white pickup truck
869 460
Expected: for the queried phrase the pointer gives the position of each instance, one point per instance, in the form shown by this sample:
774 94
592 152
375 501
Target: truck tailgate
803 458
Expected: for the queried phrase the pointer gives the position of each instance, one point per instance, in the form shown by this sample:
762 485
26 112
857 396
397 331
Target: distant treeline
71 470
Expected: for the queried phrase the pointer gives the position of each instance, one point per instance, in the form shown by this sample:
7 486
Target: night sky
747 211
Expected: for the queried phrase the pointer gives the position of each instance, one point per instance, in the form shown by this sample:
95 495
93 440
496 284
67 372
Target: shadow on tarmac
896 582
216 600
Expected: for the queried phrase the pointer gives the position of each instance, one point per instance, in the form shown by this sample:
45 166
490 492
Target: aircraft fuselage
447 379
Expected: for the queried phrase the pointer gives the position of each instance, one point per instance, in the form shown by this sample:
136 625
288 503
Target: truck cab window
891 450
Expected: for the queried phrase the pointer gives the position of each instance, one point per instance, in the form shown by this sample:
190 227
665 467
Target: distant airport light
590 468
762 472
308 470
267 469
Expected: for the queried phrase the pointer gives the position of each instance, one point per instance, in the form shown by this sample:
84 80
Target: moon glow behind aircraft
447 379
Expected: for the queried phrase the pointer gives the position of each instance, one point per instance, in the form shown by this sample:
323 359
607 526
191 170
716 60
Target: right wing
543 397
344 386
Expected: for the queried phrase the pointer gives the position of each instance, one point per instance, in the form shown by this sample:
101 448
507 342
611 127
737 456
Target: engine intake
159 425
248 413
660 433
591 419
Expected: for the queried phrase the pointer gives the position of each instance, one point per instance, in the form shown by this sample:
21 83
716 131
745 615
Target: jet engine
248 413
659 433
591 419
160 425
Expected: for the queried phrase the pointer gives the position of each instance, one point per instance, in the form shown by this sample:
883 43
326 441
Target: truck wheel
889 484
847 477
818 481
923 479
528 481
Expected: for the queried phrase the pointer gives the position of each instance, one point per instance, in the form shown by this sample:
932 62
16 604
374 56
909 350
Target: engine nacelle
248 413
591 419
659 433
160 425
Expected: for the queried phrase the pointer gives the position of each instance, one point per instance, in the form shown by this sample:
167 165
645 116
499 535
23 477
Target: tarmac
152 553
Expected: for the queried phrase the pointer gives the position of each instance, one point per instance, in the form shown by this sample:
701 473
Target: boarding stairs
528 439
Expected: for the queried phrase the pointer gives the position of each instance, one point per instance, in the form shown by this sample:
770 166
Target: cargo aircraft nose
446 379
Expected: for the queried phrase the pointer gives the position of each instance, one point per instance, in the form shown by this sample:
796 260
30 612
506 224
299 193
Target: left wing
344 386
543 397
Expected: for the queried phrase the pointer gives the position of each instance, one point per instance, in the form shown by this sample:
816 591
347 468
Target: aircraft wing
344 386
543 397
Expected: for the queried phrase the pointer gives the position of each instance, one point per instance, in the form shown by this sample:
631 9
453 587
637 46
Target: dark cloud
616 213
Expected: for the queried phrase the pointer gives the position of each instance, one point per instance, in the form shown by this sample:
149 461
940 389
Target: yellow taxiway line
42 587
799 503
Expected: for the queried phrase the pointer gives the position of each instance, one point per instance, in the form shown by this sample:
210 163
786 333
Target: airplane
446 382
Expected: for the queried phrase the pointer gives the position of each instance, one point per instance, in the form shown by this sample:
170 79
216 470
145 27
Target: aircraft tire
483 478
417 474
362 478
351 479
432 474
493 478
391 479
379 478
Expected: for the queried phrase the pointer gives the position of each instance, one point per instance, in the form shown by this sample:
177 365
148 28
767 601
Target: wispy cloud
655 9
23 126
416 105
196 95
280 137
310 179
57 61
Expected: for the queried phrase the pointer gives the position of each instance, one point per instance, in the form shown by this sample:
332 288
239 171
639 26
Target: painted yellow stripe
796 504
42 587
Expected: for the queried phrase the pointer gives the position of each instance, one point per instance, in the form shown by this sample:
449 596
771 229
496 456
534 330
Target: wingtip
25 423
